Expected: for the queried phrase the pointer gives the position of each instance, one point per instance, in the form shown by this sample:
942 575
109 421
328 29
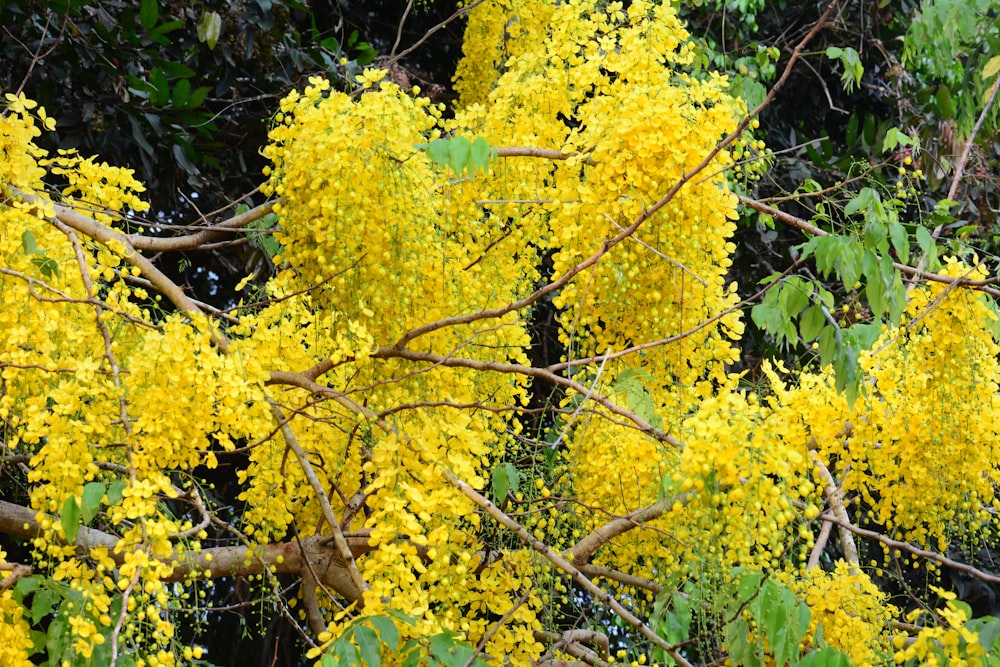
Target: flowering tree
383 390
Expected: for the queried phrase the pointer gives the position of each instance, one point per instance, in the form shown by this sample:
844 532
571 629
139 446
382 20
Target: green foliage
75 513
47 266
209 28
949 39
264 238
505 479
634 384
851 62
368 639
57 602
460 154
764 622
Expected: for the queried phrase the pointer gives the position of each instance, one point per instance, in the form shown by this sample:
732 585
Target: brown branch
570 640
964 157
17 571
916 551
331 519
198 239
109 238
496 626
836 500
287 558
621 577
585 549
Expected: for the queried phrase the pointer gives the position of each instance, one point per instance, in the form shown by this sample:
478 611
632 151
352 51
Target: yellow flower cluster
18 153
930 388
98 188
850 611
15 633
950 643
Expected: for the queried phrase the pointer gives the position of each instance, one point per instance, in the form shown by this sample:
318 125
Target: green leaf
751 90
93 494
25 586
500 484
29 243
824 657
943 103
371 647
157 34
851 133
42 604
459 151
513 477
830 341
443 647
59 637
149 13
991 68
403 618
988 634
439 151
198 97
895 137
861 201
161 89
675 624
46 266
811 323
749 586
115 493
386 631
868 132
481 154
347 653
209 28
181 94
927 246
900 241
176 70
69 517
795 295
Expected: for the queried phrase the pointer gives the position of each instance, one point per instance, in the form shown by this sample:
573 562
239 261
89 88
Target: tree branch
287 558
585 549
328 514
109 237
916 551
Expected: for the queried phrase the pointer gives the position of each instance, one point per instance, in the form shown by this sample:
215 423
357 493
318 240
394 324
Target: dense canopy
489 399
